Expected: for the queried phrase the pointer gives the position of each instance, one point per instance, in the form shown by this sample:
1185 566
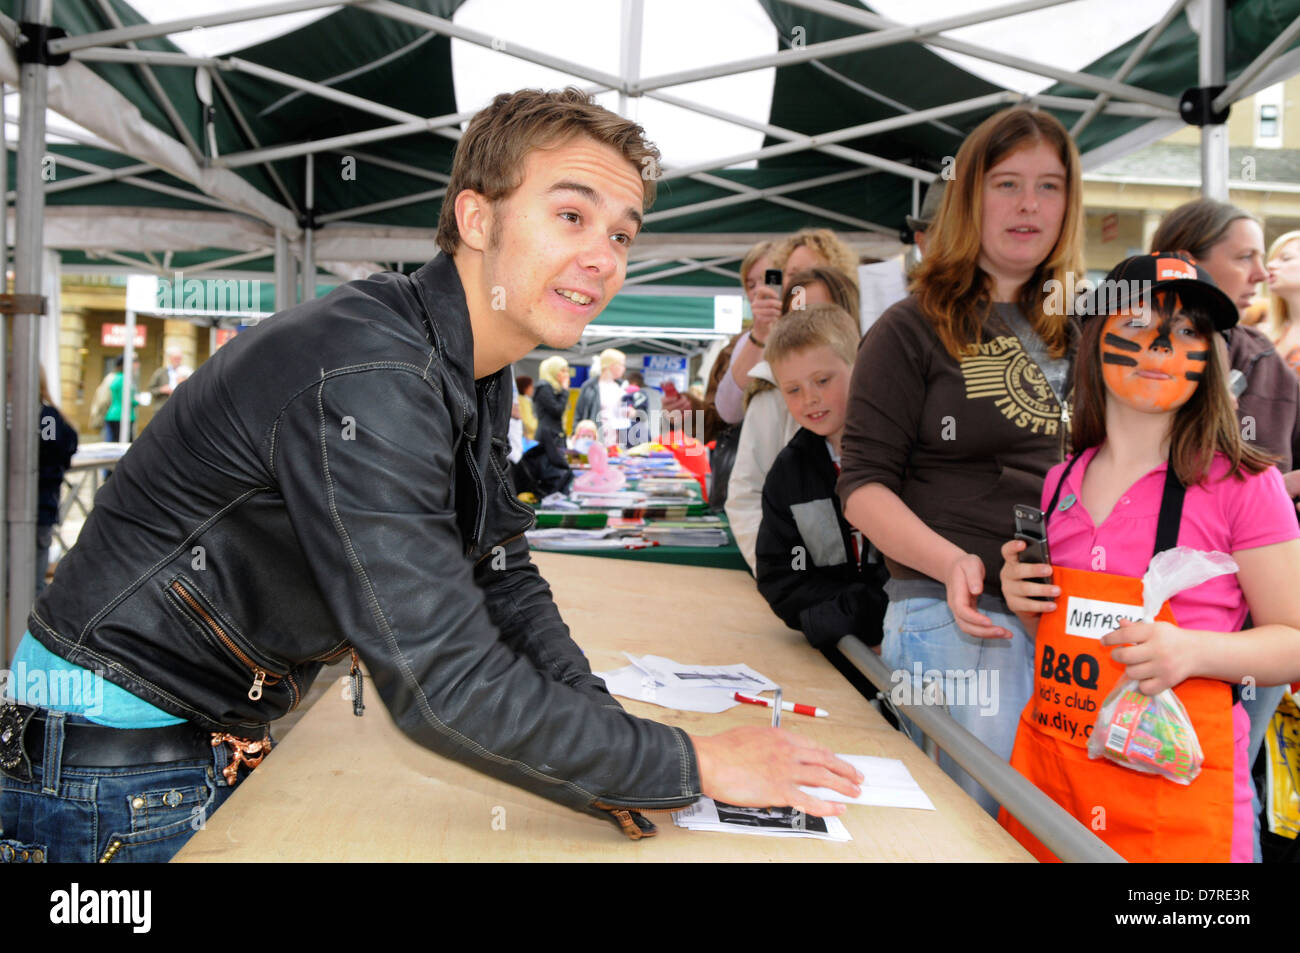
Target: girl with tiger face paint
1159 462
1153 358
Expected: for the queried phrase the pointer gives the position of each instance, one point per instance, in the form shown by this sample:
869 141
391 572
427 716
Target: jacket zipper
326 659
502 543
261 676
480 492
1065 421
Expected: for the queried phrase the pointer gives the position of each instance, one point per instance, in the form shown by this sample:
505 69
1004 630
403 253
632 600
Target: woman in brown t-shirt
957 411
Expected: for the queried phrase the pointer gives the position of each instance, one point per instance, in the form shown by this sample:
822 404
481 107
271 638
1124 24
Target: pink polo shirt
1227 515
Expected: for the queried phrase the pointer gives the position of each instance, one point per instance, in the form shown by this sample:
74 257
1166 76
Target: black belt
99 746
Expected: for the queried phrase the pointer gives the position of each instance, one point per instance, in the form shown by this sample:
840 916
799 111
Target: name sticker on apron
1093 618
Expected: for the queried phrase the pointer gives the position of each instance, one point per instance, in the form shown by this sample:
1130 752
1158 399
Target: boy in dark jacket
818 573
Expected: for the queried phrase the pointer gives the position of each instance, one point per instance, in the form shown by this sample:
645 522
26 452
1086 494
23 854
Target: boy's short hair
822 325
490 155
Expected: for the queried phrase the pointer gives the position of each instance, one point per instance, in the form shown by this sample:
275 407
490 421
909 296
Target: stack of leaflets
684 686
685 533
606 537
707 814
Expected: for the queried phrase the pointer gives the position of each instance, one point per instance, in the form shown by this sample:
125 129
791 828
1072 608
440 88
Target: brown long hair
1196 227
841 287
953 291
1206 424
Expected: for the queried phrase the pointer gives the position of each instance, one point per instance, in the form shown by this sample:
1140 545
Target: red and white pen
785 706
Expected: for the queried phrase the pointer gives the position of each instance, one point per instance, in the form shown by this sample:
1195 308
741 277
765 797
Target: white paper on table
766 822
886 782
601 500
631 682
734 678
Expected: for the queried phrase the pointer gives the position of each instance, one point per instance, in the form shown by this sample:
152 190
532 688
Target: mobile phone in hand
773 277
670 389
1031 529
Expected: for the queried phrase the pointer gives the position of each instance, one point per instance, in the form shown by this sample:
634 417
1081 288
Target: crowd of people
872 486
870 481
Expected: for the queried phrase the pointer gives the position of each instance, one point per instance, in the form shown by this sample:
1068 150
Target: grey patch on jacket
820 529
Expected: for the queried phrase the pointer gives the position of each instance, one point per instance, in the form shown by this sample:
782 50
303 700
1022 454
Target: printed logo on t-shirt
1003 372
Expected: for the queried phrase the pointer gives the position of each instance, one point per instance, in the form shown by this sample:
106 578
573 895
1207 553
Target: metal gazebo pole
284 297
1212 69
5 647
308 234
29 230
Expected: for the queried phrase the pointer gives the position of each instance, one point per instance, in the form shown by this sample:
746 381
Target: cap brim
1223 313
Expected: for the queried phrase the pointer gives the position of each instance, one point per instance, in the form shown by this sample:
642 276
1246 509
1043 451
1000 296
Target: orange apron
1144 817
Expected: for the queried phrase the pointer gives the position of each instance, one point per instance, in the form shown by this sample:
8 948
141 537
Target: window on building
1269 127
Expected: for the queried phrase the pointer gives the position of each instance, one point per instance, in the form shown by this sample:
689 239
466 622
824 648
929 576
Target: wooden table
343 788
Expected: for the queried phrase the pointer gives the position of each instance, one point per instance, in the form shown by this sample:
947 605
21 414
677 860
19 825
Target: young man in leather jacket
334 481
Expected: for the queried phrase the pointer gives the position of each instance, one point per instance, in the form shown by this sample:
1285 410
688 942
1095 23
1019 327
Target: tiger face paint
1152 362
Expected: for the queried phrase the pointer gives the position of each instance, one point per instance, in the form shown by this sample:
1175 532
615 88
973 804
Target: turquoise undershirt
104 703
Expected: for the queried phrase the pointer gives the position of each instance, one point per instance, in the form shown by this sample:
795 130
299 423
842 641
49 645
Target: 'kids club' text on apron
1144 817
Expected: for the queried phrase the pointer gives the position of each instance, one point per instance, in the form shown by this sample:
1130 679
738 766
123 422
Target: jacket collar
814 445
446 314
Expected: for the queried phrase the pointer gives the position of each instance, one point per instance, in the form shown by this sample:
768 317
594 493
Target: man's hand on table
762 767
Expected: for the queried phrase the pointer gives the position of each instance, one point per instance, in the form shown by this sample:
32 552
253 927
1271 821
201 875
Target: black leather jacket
331 479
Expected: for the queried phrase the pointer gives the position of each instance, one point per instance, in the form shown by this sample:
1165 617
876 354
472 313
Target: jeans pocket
924 615
18 852
929 635
161 819
61 824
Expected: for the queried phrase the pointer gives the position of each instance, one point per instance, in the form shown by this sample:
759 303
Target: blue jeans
141 813
984 683
1261 709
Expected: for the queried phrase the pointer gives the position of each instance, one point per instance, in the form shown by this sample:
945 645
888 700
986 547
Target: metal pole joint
33 44
22 304
1197 106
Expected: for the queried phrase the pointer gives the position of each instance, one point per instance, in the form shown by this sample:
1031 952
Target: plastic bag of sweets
1154 734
